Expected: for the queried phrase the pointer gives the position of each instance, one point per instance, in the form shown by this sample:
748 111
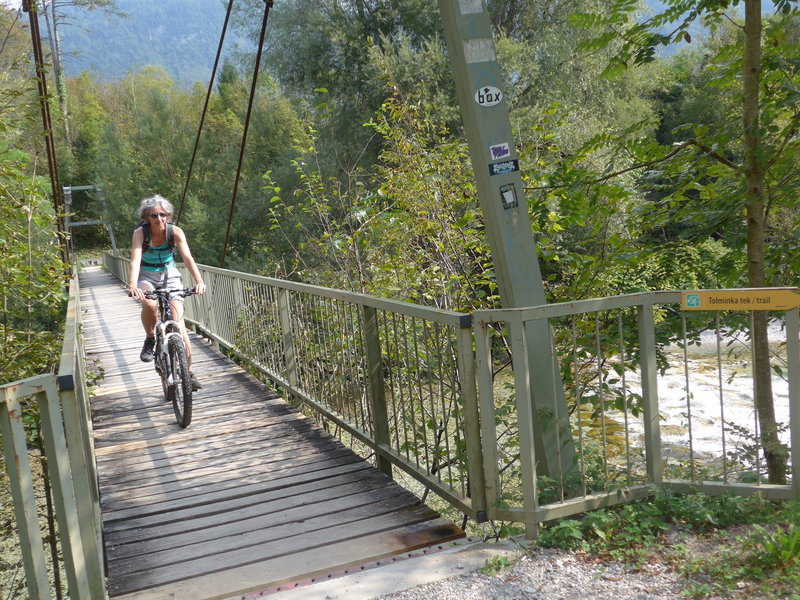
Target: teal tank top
157 259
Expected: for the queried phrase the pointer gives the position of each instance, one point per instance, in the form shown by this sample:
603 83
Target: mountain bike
170 359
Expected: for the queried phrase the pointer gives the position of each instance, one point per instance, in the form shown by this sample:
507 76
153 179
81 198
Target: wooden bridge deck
250 496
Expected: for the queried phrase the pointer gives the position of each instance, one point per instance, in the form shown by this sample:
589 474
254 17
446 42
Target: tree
54 16
31 272
743 168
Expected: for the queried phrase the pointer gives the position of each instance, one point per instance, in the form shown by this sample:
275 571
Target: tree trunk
756 226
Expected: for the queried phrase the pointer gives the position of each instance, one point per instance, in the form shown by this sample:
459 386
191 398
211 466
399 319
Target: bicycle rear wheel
181 389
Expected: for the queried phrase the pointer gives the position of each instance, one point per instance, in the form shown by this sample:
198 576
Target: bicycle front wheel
181 388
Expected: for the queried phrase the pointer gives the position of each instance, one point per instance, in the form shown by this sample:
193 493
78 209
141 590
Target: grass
722 547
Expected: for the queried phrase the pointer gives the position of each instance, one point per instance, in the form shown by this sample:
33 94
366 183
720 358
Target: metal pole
488 130
58 206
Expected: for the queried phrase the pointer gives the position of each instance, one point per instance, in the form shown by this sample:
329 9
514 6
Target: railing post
652 430
377 393
793 372
58 464
483 366
525 422
289 354
210 309
21 480
472 423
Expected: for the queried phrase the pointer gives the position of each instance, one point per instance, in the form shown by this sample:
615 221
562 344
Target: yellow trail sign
744 299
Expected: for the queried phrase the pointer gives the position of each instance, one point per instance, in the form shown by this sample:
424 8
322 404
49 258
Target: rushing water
720 403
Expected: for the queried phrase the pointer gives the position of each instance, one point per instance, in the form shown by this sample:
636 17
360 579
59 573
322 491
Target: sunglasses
158 215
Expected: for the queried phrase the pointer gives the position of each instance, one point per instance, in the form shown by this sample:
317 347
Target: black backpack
146 241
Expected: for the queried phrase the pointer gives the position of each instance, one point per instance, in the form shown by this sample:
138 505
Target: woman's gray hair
149 203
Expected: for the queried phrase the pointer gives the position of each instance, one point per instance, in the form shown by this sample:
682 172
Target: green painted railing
65 424
659 398
399 381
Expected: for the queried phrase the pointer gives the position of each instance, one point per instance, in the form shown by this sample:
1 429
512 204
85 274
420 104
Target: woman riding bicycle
153 266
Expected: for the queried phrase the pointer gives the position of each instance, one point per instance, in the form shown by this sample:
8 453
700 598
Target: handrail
65 425
365 365
610 358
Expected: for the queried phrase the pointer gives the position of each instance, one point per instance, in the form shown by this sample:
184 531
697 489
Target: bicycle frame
164 323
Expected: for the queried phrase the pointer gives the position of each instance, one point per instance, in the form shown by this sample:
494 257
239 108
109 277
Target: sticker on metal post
508 195
488 96
501 168
499 151
470 7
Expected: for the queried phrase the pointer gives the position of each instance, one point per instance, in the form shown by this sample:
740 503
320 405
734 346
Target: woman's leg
149 316
177 315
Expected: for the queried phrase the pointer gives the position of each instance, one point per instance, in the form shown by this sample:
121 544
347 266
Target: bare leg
149 317
177 315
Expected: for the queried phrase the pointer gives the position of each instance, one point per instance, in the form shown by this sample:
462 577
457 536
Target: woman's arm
188 259
136 259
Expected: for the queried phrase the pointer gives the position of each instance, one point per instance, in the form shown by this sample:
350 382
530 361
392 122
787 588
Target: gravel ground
552 574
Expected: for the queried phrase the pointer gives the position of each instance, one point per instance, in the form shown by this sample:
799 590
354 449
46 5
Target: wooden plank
359 479
307 562
208 496
285 546
188 492
130 466
279 518
209 470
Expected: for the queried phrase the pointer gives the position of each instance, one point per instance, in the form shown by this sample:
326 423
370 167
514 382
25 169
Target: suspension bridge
391 416
402 406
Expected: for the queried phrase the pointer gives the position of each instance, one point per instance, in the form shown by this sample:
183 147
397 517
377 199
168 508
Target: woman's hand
199 288
135 292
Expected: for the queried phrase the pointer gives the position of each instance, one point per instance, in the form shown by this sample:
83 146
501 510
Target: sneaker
195 384
147 353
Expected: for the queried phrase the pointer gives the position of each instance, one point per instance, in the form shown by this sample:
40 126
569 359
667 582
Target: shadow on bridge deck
250 496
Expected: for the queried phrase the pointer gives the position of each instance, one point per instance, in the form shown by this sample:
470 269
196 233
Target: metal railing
658 398
66 434
392 379
646 411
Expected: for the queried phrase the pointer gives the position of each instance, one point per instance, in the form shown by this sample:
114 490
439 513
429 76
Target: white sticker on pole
470 7
479 50
488 96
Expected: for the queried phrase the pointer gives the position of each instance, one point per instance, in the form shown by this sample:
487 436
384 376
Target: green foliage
32 276
765 561
776 548
632 531
496 564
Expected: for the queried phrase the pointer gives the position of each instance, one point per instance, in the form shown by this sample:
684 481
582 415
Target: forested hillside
178 35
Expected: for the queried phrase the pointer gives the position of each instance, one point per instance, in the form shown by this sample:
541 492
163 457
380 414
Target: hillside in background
181 36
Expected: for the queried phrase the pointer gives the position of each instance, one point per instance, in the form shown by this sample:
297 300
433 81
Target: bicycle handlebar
164 293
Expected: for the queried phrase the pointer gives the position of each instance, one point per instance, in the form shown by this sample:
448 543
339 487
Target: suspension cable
30 7
205 109
267 7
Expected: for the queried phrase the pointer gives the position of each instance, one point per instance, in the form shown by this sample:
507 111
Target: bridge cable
205 109
267 6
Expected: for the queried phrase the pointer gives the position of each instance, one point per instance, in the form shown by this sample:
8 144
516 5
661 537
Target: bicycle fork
164 350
